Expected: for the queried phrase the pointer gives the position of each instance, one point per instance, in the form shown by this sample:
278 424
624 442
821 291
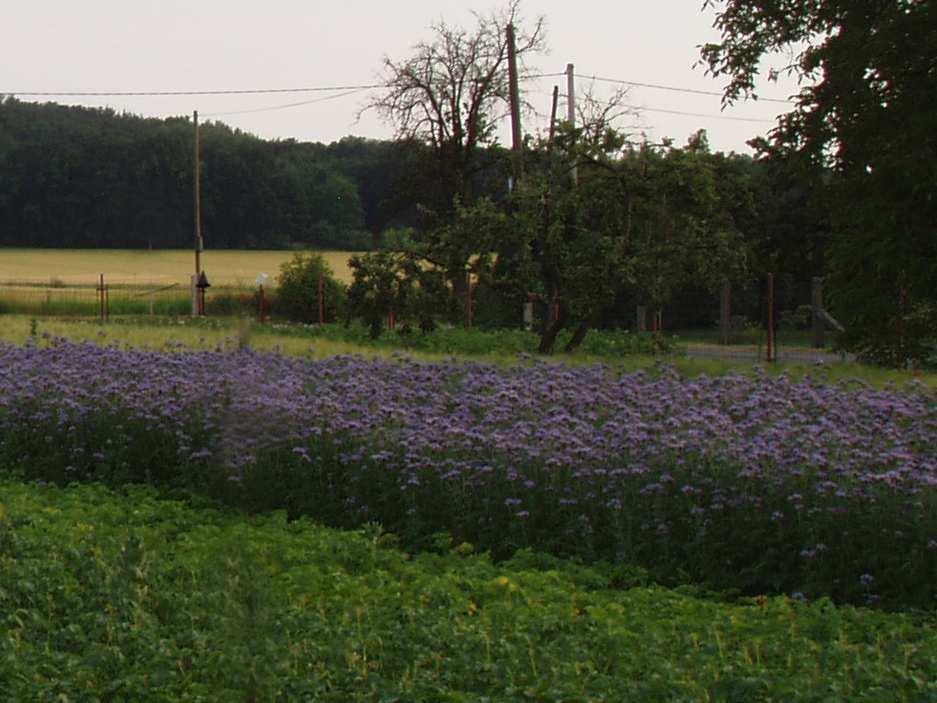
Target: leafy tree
640 218
446 96
81 177
867 113
390 176
401 283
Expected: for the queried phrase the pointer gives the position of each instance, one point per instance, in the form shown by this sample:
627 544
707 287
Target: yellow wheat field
81 267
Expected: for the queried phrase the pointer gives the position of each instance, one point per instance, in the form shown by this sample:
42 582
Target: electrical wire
354 91
287 105
543 75
249 91
257 91
705 116
348 90
693 91
709 116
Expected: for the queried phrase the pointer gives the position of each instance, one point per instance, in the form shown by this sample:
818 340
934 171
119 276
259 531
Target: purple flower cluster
590 437
457 418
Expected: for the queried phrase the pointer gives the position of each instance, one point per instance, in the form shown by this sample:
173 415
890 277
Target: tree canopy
867 111
82 177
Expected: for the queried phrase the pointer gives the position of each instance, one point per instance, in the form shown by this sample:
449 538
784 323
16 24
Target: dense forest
82 177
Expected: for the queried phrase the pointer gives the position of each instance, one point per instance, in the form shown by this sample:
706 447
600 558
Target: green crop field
82 267
124 595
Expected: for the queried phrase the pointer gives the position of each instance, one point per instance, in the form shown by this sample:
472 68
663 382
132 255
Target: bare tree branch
446 94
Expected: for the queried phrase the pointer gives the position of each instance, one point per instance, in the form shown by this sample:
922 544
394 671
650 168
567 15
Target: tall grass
233 332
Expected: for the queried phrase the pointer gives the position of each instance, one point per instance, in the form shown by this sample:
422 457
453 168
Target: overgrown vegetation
305 283
609 344
864 70
596 223
129 596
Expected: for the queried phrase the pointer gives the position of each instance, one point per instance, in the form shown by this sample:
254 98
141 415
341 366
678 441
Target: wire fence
776 318
105 299
771 318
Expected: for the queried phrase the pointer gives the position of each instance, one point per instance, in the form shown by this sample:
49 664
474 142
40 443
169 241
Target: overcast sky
176 45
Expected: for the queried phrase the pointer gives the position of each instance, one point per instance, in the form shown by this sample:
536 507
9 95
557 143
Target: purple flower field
827 489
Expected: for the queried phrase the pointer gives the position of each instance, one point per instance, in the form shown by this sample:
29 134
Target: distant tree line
84 177
81 177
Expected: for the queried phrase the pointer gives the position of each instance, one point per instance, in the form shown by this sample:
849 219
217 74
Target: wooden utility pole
571 108
198 201
517 145
556 94
320 294
469 311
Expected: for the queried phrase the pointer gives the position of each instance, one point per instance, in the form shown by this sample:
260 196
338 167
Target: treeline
82 177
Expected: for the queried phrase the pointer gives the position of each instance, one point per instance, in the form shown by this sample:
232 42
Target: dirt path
792 355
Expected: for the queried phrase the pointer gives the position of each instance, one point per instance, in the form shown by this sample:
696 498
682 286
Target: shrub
402 284
298 285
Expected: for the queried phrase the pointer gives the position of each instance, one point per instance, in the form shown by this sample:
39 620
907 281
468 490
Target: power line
253 91
709 117
674 89
287 105
249 91
531 76
347 90
354 91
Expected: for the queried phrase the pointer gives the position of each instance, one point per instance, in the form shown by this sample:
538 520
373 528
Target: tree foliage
398 284
642 218
297 293
867 112
80 177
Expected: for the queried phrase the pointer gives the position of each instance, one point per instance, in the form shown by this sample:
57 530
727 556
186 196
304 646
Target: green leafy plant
131 596
297 293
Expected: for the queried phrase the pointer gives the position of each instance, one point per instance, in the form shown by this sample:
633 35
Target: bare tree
447 93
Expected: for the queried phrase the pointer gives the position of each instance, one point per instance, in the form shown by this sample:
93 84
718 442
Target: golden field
82 267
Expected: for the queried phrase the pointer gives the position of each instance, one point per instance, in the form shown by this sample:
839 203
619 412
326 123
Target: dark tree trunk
548 337
578 335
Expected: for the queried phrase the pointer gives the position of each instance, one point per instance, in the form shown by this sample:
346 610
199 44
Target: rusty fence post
320 294
816 294
103 300
772 342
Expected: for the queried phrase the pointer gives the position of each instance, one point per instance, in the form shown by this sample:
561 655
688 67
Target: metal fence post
816 291
320 294
772 343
